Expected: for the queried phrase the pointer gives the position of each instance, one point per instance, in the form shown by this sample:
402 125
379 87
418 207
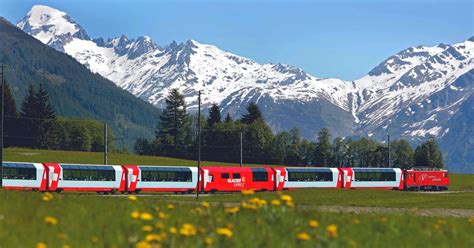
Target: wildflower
248 192
356 221
286 198
170 206
66 246
232 210
50 220
135 215
224 231
188 230
41 245
147 228
313 223
471 220
208 241
162 215
290 204
143 244
248 205
303 236
62 236
132 197
198 210
95 239
442 222
205 204
331 231
173 230
47 196
146 216
159 225
153 237
229 225
384 219
275 202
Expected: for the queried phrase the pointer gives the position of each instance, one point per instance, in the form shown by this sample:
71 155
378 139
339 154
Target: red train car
228 179
426 179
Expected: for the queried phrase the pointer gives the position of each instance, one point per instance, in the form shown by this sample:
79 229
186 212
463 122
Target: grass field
230 220
85 220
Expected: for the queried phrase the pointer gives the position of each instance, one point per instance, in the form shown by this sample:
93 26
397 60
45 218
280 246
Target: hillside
74 90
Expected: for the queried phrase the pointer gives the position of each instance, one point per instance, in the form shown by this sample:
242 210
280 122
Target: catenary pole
1 128
105 144
388 143
241 155
199 143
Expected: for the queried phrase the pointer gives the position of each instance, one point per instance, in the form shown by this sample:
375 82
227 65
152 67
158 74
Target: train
105 179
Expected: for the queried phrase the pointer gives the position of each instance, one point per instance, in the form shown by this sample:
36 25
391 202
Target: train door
280 175
54 171
132 178
206 178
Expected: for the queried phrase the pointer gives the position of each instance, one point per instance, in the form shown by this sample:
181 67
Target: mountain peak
50 25
471 39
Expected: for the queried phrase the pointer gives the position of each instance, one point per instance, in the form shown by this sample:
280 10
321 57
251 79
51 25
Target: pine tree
228 119
401 154
322 155
214 116
46 120
253 114
428 154
11 128
27 114
173 128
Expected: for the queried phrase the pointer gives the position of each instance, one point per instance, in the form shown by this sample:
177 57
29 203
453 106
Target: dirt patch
28 153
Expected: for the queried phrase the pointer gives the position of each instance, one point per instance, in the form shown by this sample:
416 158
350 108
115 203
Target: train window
236 175
310 175
374 176
165 174
88 173
225 175
260 176
19 171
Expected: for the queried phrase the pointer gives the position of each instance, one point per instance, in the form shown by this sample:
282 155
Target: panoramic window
19 171
88 173
165 174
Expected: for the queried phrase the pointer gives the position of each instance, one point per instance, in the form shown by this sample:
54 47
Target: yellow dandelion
286 198
224 231
157 209
173 230
331 231
170 206
303 236
159 225
198 210
132 197
248 205
143 244
153 238
384 219
41 245
248 192
290 204
232 210
95 239
50 220
146 216
471 220
205 204
162 215
47 196
66 246
313 223
275 202
356 221
208 241
135 215
188 230
147 228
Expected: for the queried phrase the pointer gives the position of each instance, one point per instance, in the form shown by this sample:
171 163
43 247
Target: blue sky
342 39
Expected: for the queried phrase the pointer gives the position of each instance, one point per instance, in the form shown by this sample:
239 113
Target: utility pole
1 128
241 162
105 143
388 143
199 143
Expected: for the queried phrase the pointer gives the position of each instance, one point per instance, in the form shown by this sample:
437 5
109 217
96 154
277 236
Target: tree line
35 125
176 134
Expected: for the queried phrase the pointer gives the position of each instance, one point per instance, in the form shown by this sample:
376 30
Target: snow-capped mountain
412 94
